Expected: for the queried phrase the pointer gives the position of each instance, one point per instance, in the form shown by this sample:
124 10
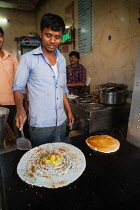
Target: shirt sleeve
22 74
65 90
15 63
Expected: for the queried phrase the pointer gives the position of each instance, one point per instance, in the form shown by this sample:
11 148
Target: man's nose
52 39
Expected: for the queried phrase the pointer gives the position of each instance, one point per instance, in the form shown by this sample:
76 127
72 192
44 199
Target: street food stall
102 180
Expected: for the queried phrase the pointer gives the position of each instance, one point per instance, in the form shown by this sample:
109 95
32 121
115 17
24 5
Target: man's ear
41 32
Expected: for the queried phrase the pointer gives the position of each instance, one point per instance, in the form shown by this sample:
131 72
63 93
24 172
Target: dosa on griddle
34 171
103 143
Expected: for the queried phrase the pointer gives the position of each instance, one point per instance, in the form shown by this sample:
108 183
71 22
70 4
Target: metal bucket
3 119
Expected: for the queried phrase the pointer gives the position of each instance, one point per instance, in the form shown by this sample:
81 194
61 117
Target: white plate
31 169
72 96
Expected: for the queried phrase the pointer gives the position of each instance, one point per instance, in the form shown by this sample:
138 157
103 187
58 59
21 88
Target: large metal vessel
3 119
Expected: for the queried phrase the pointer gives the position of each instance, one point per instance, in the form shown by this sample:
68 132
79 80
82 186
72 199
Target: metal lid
113 92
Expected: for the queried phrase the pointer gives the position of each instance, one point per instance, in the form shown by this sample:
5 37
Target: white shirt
55 69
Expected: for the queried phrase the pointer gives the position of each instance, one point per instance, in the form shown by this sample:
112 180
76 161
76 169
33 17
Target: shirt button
53 76
57 98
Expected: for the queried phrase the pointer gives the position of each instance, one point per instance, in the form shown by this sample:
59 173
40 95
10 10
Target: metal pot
113 97
3 119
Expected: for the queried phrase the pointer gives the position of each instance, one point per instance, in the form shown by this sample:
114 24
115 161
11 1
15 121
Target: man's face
50 39
73 60
1 40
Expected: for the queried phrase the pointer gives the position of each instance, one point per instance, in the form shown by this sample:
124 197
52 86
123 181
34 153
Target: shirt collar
6 54
39 51
71 65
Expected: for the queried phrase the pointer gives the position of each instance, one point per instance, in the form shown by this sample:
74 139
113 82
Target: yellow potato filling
52 158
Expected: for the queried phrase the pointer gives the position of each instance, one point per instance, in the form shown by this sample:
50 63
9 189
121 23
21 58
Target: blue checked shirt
46 107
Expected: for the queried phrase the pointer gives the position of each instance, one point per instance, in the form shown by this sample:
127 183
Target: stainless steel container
3 119
113 97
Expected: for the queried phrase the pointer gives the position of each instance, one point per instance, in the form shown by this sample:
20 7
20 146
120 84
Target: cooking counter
110 181
91 116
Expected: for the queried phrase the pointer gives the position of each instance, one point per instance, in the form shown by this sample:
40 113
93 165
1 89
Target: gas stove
87 102
90 115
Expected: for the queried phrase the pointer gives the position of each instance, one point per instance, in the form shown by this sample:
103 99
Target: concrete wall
112 60
20 24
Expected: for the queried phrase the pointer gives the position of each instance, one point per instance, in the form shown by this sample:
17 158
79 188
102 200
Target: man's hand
68 110
70 118
20 118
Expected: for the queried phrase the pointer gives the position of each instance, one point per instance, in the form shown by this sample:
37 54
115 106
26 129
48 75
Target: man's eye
48 35
58 37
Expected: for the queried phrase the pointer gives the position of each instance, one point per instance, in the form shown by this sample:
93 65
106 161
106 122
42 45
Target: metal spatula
23 143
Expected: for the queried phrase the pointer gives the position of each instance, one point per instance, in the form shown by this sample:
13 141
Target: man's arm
68 109
20 117
75 84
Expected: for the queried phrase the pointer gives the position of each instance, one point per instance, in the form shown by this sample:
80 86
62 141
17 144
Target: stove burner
87 100
93 106
84 99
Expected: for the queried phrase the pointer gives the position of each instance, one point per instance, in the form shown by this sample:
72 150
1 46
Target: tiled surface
101 7
100 57
101 29
117 56
118 77
98 77
121 22
136 15
134 51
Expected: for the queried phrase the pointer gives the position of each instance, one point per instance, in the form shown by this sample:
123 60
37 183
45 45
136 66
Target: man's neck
50 56
74 65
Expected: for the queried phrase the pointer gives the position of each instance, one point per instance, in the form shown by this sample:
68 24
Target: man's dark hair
54 22
75 53
1 31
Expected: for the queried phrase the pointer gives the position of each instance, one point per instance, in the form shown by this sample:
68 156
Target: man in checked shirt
76 74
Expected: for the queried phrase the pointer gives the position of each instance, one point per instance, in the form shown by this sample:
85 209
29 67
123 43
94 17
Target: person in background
8 67
44 72
76 74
